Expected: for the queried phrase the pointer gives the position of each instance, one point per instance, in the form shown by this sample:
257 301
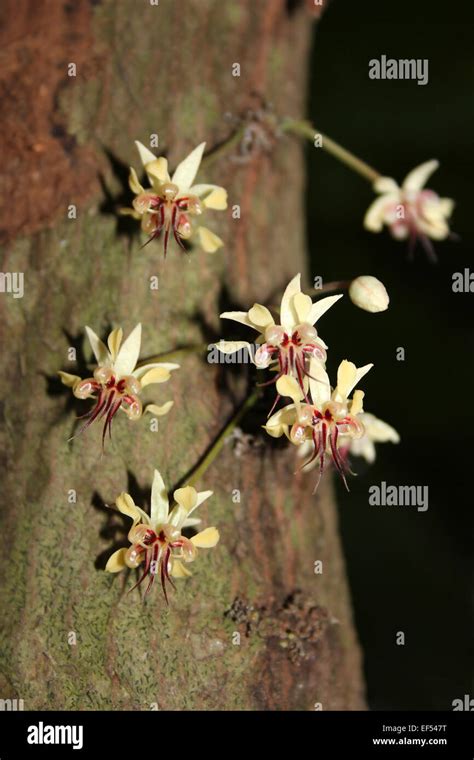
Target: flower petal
186 497
116 561
438 230
186 171
260 317
386 185
232 346
319 384
142 369
158 411
302 305
143 203
114 340
130 212
128 355
159 501
178 570
321 307
201 497
177 516
147 223
418 177
191 522
216 197
446 206
127 506
374 218
69 380
289 386
348 376
100 351
208 240
238 316
277 424
361 371
217 200
206 539
155 375
134 182
363 447
288 316
276 431
381 432
157 170
146 156
203 188
356 406
378 430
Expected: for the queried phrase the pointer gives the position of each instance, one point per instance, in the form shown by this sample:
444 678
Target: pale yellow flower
330 415
375 431
290 345
157 539
171 204
117 380
410 211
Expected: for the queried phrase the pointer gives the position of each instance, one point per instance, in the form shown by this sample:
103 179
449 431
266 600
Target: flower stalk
305 129
223 436
176 353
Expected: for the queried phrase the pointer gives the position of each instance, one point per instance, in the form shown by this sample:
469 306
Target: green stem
216 447
330 287
305 129
199 348
223 148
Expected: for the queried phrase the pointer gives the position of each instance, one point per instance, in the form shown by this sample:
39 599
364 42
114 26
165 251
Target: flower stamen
112 395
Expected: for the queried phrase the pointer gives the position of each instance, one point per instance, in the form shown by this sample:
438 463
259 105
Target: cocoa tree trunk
255 628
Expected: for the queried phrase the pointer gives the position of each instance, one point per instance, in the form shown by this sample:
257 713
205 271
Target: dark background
409 571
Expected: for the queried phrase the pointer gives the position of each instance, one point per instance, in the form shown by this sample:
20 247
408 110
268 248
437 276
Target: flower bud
368 293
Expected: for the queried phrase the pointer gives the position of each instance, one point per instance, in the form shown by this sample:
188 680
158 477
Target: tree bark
71 636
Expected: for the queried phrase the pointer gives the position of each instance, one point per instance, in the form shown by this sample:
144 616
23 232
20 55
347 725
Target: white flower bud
368 293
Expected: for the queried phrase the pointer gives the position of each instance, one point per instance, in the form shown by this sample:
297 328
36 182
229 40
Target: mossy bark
71 636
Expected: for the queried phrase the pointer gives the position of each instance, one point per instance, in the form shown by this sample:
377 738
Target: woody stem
306 129
216 447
